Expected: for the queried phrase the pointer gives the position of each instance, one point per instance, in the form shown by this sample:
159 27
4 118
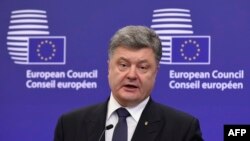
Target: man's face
132 74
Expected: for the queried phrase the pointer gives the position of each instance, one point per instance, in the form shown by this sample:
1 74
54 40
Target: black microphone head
109 126
106 128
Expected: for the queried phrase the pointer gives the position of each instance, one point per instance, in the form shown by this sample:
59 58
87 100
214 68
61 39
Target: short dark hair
136 37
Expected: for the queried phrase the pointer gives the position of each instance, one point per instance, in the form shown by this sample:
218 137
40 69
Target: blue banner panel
46 50
190 49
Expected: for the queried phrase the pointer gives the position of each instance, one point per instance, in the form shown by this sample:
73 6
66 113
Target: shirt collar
135 111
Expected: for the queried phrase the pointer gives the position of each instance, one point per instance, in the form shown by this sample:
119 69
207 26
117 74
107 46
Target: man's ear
108 62
157 68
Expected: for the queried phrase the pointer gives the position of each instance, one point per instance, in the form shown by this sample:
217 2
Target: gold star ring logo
44 45
189 43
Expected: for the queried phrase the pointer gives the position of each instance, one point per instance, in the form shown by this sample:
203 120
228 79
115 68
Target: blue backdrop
34 95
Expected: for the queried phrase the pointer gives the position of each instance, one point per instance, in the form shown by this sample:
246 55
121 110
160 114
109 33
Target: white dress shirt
132 121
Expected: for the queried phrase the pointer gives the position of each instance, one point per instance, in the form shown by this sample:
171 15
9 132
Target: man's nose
132 73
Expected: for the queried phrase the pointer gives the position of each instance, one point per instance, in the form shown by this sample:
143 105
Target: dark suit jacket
164 124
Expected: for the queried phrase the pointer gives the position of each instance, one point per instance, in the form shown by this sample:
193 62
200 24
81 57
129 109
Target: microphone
110 126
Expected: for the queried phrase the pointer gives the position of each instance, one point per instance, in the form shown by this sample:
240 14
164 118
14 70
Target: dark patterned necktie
121 128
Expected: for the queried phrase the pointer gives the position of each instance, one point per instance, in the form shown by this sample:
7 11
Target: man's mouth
131 86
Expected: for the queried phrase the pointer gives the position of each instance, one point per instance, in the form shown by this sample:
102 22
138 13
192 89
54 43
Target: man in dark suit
130 113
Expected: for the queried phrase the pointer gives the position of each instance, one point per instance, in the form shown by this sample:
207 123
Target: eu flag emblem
191 49
47 50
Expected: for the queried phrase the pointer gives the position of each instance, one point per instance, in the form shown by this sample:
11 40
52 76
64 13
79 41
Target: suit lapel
149 124
96 123
148 127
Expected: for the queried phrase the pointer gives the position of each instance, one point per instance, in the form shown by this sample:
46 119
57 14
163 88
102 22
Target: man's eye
123 65
143 68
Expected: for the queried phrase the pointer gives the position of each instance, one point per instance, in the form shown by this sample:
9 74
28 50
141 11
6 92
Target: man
134 55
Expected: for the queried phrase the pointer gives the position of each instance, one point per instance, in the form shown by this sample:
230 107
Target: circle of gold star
182 50
40 45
